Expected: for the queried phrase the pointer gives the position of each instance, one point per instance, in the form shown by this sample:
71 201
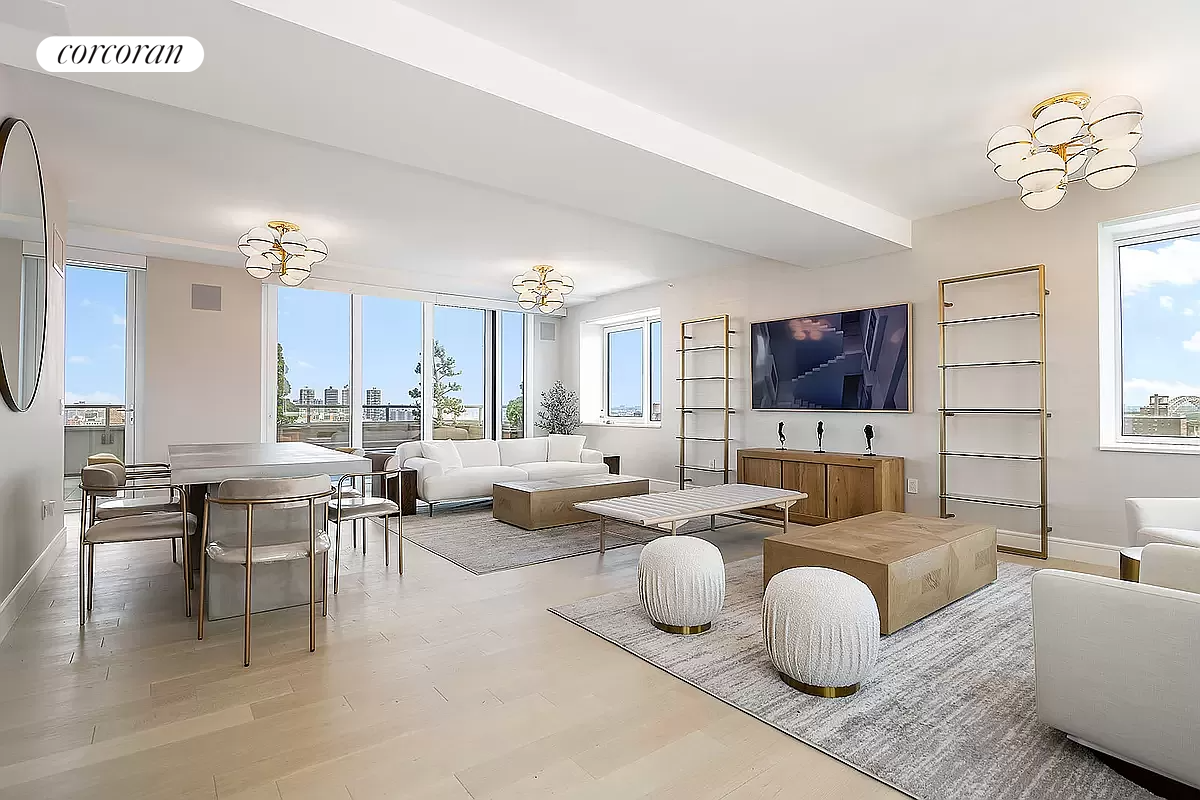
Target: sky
1160 319
314 329
95 336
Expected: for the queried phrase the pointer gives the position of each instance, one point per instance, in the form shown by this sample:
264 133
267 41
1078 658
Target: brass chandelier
542 287
1063 147
280 248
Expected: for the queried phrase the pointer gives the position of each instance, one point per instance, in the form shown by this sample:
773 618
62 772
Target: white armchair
1173 520
1116 662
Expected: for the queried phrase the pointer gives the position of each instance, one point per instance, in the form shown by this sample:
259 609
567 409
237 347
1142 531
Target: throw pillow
444 452
565 448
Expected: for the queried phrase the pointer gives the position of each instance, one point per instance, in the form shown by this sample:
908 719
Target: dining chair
353 509
347 490
280 503
128 504
141 526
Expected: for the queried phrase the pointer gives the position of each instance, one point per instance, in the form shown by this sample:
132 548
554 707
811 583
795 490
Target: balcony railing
384 426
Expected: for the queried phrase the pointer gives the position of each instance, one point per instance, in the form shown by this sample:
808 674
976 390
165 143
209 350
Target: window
313 367
457 378
512 375
1150 332
632 371
391 372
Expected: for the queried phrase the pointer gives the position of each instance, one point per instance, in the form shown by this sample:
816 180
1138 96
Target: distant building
1157 407
1147 425
307 396
331 396
344 396
374 396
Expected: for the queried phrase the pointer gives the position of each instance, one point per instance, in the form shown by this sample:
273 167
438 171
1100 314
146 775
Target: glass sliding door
511 382
98 370
313 367
391 372
457 378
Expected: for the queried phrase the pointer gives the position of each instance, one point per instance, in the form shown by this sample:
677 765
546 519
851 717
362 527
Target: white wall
31 444
202 368
1087 485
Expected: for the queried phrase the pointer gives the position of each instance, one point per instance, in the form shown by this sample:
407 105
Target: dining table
197 467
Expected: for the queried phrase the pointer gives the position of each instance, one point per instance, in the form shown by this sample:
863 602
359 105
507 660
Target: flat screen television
845 361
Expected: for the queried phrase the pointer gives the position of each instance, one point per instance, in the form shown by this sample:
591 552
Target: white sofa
1117 662
1171 520
469 471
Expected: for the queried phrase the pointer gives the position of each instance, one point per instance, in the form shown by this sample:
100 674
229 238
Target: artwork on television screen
845 361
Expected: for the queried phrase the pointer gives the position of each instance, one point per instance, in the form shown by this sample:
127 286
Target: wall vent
206 298
546 331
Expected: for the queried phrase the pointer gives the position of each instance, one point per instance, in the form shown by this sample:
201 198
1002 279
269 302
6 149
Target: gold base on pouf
819 691
1131 568
682 629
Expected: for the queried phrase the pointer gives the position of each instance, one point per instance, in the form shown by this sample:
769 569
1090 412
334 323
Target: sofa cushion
478 453
541 470
463 484
564 448
444 452
520 451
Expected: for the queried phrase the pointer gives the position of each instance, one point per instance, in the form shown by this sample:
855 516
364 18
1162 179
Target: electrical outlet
47 508
712 463
912 485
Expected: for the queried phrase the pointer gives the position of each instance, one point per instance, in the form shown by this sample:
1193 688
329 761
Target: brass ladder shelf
945 411
685 336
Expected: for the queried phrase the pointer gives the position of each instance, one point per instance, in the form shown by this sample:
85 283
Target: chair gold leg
249 583
325 585
337 554
82 581
187 579
386 545
91 575
364 534
174 556
312 579
400 544
203 563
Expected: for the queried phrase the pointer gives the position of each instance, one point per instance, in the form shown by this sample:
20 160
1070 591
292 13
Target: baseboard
23 592
1107 555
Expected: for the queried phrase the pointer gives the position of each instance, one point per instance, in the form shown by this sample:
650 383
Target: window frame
491 362
643 324
1114 235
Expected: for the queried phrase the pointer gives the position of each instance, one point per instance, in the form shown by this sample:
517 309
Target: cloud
86 303
1187 312
1169 388
303 365
1177 264
93 399
79 360
1193 343
117 347
1166 302
117 319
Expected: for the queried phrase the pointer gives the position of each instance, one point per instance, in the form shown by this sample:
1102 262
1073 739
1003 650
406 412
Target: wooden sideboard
839 485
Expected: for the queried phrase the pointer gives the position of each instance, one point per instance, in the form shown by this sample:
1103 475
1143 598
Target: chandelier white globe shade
1042 171
317 251
1010 145
1058 123
1041 201
1110 169
1114 117
259 266
1125 142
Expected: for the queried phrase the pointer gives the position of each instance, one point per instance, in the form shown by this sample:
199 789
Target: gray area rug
478 543
949 713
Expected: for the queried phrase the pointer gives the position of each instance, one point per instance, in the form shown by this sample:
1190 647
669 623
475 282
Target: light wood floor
437 684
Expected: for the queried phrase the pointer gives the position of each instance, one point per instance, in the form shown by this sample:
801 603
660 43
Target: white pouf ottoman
821 629
681 580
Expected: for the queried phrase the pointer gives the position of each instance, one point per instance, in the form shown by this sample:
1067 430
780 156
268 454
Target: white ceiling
890 102
626 141
149 178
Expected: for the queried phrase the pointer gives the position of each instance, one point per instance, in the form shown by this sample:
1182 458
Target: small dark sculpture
820 434
782 438
870 434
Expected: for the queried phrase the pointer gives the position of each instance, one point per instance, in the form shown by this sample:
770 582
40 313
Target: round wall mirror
23 276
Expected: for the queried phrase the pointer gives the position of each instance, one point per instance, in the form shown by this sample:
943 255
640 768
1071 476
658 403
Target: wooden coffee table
534 505
912 565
